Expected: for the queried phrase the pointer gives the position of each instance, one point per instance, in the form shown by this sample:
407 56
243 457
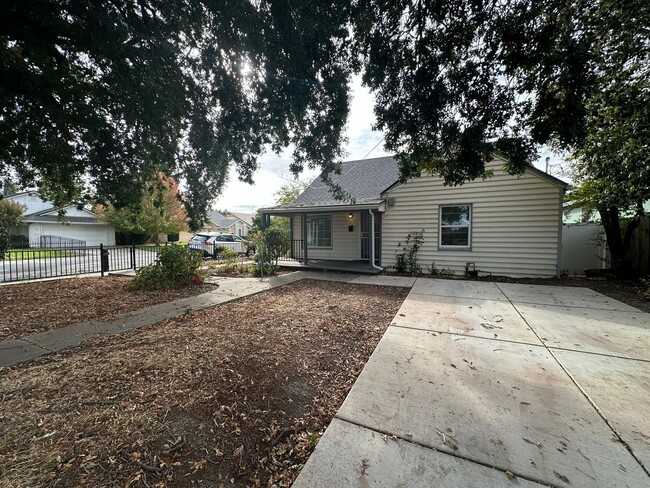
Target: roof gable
364 180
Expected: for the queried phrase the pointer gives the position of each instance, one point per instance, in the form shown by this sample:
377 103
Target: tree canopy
97 97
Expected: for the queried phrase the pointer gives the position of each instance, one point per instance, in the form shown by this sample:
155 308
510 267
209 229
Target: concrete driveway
488 385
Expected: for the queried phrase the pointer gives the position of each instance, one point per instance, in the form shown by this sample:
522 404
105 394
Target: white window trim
468 247
331 230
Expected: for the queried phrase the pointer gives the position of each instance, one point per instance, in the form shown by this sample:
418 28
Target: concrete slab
503 404
620 388
14 351
611 332
348 455
399 281
458 288
568 296
57 340
325 276
491 319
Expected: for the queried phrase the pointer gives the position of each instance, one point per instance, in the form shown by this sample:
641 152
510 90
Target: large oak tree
97 97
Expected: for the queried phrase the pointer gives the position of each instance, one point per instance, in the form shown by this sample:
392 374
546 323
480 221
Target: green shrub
271 243
230 258
176 267
4 241
218 250
19 242
407 261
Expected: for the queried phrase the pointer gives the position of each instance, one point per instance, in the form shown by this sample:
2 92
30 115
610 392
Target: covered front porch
336 238
333 265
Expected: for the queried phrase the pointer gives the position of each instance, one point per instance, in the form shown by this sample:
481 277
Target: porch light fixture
350 215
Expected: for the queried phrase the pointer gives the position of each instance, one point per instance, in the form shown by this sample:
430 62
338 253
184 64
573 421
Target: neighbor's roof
363 180
244 217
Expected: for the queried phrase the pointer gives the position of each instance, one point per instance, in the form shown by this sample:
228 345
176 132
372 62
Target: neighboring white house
504 225
41 224
232 222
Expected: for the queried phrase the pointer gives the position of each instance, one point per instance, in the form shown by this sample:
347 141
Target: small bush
218 250
18 242
407 261
176 267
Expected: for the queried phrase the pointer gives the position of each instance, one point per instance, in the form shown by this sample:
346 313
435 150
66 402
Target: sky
274 169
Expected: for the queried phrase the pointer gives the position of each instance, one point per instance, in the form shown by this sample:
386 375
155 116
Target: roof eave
320 208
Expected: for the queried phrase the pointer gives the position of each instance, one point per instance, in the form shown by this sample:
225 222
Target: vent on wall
390 201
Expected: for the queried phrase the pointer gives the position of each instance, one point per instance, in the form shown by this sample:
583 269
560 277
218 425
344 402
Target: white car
207 241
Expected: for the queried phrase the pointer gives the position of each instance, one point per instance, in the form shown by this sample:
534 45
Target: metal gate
364 233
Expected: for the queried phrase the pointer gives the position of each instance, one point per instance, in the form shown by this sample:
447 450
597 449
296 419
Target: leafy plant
230 258
176 267
271 244
407 261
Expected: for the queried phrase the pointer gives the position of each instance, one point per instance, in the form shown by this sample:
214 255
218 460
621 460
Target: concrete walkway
16 351
489 385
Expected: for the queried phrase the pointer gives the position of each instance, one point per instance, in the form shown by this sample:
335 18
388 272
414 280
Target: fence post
133 256
103 258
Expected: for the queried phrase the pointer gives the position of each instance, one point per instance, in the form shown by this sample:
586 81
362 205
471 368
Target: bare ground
235 395
28 308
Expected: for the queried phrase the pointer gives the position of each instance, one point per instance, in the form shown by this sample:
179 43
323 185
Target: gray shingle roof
363 179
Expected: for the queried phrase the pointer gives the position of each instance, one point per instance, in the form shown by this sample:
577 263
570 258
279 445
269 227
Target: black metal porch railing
293 252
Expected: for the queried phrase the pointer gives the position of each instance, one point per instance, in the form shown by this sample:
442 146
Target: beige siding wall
515 223
345 244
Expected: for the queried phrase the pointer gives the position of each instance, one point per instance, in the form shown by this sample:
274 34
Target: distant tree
11 215
7 188
159 211
288 192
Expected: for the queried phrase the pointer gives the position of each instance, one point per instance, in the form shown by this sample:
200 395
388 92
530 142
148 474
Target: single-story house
503 225
237 223
42 227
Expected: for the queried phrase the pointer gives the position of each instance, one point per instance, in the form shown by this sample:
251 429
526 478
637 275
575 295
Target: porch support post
291 253
303 228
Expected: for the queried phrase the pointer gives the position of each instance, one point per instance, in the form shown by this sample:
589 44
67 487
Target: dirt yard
236 395
28 308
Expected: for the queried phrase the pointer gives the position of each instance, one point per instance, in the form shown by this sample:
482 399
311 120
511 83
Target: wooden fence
640 248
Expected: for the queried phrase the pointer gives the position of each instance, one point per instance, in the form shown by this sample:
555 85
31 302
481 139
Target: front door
364 233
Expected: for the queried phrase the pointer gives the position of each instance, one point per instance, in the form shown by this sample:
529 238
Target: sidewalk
16 351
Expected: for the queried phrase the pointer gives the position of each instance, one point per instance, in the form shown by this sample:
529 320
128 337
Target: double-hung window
319 230
455 226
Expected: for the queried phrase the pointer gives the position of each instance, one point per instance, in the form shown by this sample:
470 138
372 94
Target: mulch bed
235 395
28 308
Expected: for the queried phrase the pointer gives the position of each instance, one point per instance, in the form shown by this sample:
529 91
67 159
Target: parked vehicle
207 241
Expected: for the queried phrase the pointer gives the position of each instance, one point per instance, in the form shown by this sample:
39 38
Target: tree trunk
618 241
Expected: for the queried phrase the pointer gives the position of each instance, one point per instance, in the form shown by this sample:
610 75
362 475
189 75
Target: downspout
372 241
558 270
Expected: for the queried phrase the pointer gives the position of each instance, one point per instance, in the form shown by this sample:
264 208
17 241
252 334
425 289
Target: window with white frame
455 226
319 230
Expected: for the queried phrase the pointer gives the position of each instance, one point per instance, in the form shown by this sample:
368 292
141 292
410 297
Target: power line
376 145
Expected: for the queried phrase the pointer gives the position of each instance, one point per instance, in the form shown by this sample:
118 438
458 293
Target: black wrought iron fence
53 262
